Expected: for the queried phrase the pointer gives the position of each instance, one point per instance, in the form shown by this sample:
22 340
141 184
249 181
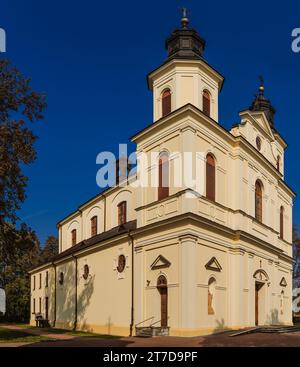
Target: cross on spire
184 19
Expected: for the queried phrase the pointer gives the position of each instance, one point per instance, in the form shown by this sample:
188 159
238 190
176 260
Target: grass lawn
16 336
69 332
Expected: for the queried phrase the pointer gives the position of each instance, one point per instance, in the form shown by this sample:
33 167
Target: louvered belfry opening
163 176
166 102
206 103
210 177
258 201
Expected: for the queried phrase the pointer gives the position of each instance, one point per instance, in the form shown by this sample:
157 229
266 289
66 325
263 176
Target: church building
167 260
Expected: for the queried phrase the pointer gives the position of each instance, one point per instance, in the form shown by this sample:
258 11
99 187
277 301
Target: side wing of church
171 260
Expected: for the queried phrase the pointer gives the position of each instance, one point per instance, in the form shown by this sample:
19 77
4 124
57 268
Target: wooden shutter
281 222
122 208
166 102
163 176
210 178
206 102
94 225
73 237
258 201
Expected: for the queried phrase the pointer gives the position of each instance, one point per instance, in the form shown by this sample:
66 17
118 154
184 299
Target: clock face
121 263
258 143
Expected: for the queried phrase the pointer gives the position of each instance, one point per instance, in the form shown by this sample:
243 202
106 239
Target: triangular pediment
213 264
160 262
283 282
259 120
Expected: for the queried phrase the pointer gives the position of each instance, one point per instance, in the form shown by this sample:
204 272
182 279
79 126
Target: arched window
258 201
206 102
210 177
278 163
122 209
94 226
281 222
211 296
73 235
166 102
163 175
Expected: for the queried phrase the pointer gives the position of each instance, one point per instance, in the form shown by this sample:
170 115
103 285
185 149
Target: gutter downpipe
54 320
132 285
76 281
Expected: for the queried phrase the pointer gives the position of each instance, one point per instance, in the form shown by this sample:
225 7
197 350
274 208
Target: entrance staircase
151 330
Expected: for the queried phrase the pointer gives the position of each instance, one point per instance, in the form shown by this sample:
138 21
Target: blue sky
91 59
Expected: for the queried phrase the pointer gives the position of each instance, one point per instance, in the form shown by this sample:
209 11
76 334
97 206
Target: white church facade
165 258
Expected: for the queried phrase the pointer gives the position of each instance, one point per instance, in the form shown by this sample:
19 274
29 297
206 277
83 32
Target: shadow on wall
220 326
65 308
273 318
83 301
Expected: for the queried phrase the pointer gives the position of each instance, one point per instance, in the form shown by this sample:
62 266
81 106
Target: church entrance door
258 287
163 290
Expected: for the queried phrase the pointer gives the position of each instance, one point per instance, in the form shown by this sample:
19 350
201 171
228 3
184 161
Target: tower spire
261 86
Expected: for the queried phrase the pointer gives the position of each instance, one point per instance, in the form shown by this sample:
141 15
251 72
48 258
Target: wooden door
256 304
46 307
164 306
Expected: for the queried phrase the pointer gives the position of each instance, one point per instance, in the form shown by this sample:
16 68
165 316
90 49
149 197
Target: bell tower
185 77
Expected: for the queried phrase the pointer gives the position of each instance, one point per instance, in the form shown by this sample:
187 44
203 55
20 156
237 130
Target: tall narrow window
258 201
278 163
40 282
40 305
74 239
34 282
163 175
281 222
47 279
206 102
210 177
94 225
166 102
122 208
33 306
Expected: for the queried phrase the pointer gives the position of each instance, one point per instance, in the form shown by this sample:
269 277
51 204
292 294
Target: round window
258 143
61 278
121 263
86 271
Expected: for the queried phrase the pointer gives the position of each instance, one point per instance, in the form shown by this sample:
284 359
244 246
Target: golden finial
261 86
184 19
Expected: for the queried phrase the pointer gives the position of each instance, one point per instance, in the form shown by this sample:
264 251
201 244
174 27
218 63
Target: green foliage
50 249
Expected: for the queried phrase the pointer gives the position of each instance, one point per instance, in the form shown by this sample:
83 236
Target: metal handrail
157 322
150 318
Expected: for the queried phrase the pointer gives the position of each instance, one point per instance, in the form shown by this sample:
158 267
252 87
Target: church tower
185 77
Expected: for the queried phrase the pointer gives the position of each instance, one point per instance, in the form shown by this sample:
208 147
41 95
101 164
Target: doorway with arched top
162 287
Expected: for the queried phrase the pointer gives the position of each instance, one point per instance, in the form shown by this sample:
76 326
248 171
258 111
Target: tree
19 105
19 252
296 256
50 249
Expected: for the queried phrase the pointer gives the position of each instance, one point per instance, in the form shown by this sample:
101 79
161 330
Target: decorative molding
160 262
283 282
213 264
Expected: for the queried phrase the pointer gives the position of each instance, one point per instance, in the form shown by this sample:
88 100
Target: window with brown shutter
258 201
206 102
210 177
40 283
40 305
73 233
278 163
94 225
34 282
47 279
33 306
163 176
166 102
281 222
122 213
